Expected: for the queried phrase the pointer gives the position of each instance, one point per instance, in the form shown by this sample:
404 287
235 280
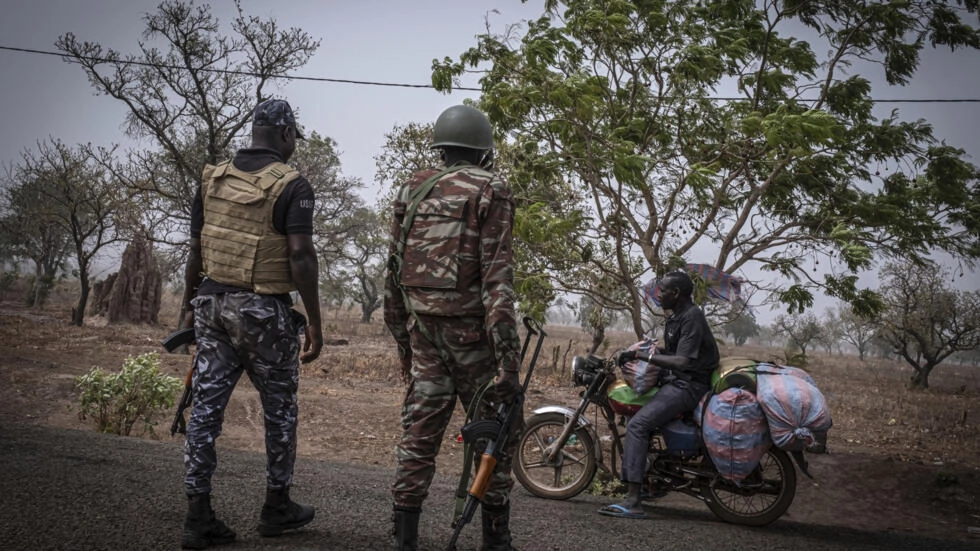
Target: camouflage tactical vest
239 243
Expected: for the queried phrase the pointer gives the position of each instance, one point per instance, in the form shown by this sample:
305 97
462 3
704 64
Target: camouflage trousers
431 398
257 335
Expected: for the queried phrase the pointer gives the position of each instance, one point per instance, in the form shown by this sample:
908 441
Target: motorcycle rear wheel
569 474
762 498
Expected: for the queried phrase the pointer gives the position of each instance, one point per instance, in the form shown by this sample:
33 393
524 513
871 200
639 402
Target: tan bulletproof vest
239 243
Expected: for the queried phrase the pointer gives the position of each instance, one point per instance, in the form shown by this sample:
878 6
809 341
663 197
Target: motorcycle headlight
584 370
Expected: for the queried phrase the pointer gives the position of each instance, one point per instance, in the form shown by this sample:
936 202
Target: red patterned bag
641 375
735 432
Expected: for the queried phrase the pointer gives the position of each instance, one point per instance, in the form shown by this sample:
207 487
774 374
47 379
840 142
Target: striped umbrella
720 285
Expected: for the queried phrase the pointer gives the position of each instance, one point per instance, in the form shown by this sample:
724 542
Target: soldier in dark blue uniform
251 245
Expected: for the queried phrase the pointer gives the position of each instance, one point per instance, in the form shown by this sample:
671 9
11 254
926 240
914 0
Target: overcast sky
365 40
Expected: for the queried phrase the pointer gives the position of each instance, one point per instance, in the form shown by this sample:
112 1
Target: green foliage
608 103
117 401
741 328
608 488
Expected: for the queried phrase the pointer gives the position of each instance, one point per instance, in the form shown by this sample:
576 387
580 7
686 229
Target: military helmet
462 126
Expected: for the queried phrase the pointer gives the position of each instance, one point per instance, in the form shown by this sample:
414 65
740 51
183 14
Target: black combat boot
406 520
201 528
496 528
281 513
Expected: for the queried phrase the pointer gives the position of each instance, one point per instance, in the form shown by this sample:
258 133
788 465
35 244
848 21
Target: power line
392 84
228 71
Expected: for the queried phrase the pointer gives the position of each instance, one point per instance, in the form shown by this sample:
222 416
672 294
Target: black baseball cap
275 112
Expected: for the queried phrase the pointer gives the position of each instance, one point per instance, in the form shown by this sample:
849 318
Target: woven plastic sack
640 375
795 408
771 368
735 432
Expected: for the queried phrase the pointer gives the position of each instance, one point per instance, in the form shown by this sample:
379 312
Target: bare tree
855 329
800 329
406 150
75 194
358 268
191 88
831 332
318 160
924 320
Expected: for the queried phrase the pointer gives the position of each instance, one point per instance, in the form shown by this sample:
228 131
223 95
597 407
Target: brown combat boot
406 520
281 513
201 528
496 528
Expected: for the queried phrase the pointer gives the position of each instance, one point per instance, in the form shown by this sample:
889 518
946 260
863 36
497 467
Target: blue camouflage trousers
430 399
251 333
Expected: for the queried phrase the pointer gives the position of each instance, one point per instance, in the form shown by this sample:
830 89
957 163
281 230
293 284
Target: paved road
78 490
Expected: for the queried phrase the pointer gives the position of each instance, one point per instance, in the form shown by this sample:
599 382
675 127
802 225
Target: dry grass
870 405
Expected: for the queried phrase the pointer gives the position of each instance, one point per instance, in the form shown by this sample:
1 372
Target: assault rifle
496 431
175 340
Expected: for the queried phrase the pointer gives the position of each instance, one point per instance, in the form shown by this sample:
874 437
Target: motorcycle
560 453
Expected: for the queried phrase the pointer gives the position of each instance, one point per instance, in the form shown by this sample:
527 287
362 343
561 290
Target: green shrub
117 401
607 486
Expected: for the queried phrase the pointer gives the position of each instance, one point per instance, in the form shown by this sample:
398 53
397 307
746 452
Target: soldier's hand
188 320
406 367
312 345
507 385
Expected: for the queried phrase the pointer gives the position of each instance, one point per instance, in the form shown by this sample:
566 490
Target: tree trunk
920 379
40 288
78 313
598 336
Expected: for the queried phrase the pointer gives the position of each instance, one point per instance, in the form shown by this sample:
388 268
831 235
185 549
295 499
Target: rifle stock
175 340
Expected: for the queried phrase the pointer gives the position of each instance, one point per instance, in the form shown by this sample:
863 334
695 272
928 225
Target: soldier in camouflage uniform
449 303
251 245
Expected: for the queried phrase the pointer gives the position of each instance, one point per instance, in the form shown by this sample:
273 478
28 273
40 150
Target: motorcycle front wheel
569 473
762 497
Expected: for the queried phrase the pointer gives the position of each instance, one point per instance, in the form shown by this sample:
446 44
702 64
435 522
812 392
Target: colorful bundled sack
641 375
771 368
796 410
735 432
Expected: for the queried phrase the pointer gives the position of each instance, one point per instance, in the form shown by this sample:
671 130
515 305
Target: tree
358 269
800 329
925 321
192 95
831 332
318 160
855 329
339 230
406 151
741 328
74 193
612 99
26 234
